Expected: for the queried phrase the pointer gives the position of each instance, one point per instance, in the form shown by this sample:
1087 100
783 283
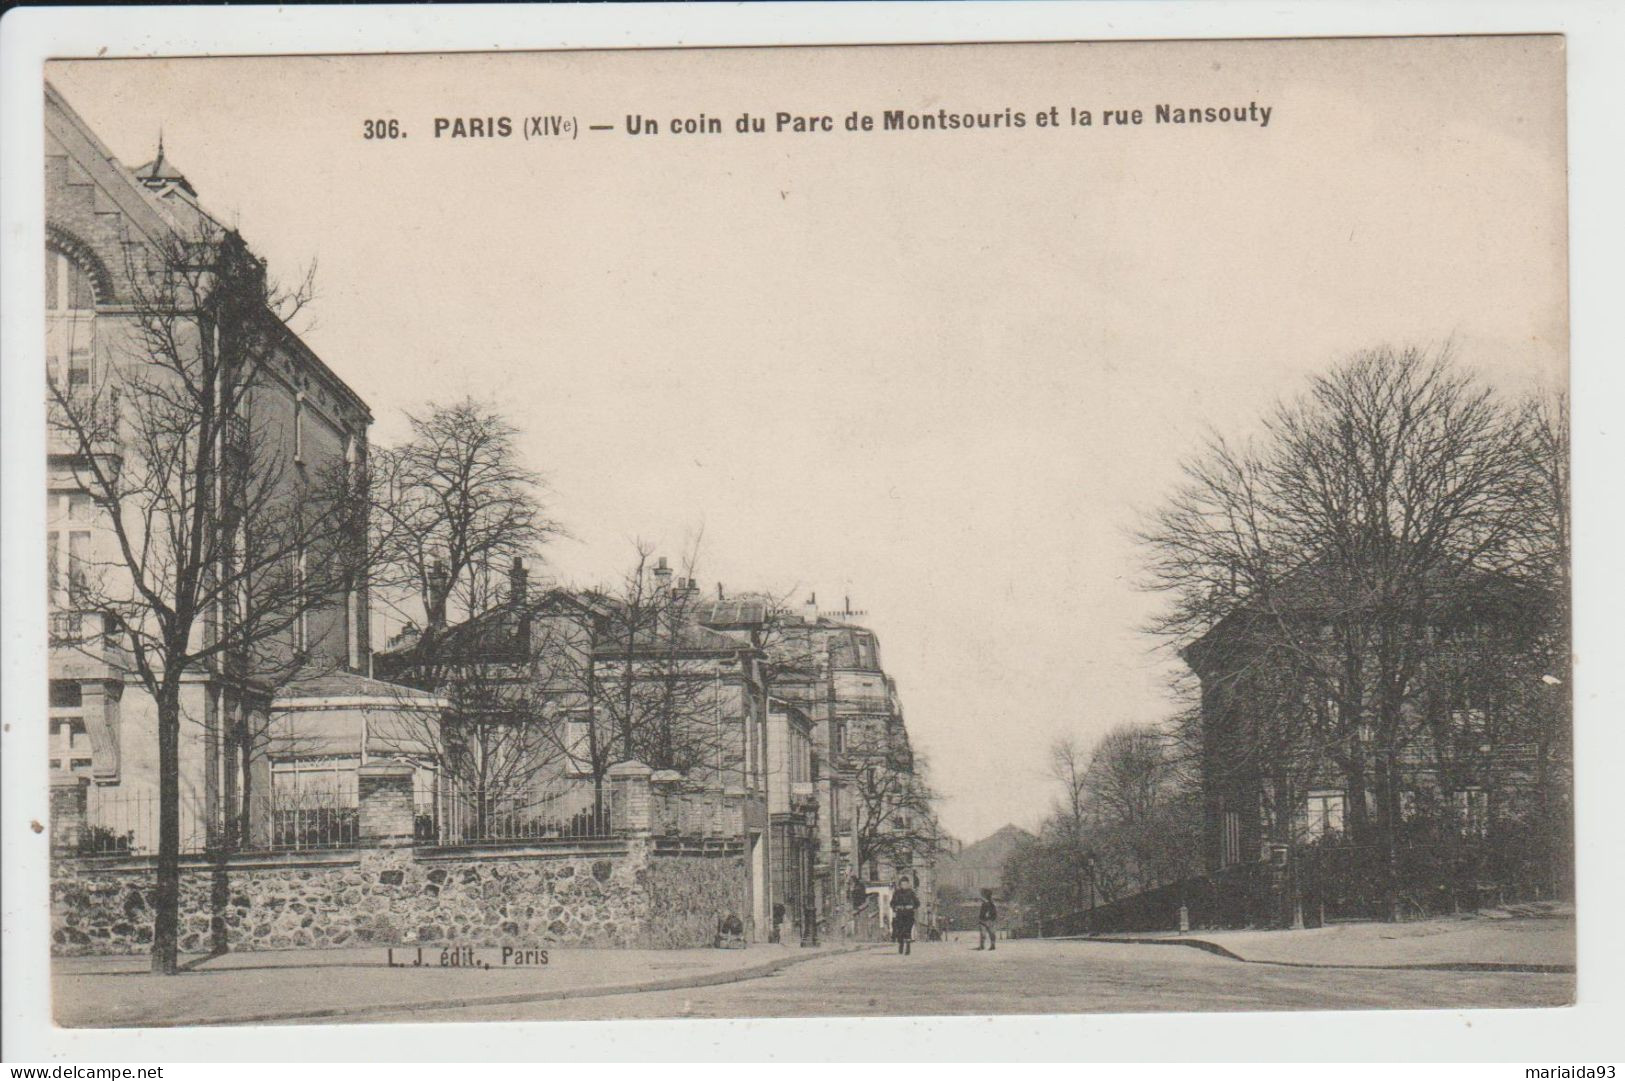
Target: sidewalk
351 984
1526 938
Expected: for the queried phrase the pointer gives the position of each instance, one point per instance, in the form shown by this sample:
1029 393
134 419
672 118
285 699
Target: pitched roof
1324 586
160 212
328 683
499 632
743 611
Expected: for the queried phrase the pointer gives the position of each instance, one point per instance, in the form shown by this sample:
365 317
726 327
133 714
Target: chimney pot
518 579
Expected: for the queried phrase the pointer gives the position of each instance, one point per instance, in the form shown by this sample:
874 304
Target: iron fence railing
307 819
128 824
468 816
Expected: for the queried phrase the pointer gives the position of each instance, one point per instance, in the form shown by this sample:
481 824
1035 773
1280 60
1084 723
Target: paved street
1041 977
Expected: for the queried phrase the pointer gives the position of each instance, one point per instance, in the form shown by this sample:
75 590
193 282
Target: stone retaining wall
631 892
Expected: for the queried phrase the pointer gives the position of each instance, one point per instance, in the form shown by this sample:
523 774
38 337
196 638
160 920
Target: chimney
662 574
719 591
437 589
809 610
517 579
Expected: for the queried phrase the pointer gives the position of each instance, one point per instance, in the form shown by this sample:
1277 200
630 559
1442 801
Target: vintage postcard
739 532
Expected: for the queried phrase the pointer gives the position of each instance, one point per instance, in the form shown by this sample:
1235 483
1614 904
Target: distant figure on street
858 894
985 919
904 903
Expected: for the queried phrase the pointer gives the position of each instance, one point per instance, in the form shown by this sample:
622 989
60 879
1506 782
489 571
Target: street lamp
1089 864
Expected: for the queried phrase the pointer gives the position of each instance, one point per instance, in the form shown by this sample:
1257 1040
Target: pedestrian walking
904 903
985 919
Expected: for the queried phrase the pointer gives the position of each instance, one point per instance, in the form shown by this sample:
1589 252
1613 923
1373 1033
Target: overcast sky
941 373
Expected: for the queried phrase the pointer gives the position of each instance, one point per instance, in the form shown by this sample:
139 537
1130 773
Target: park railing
1331 881
468 816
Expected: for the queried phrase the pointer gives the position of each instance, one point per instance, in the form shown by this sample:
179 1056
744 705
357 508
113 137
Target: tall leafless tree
1372 507
452 507
221 543
1068 767
894 803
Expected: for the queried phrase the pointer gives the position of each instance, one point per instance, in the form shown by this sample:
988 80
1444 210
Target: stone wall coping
561 849
236 861
61 778
386 769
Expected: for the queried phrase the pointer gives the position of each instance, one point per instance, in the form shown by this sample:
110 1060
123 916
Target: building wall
614 893
100 222
1237 812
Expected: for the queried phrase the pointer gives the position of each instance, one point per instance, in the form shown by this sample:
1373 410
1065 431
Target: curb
1426 966
673 983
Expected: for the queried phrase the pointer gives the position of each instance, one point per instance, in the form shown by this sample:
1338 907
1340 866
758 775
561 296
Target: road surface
1026 977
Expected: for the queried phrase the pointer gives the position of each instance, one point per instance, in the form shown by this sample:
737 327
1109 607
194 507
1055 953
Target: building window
67 285
1471 726
578 740
68 552
1229 838
70 743
1473 812
1407 805
1323 814
314 801
299 428
70 326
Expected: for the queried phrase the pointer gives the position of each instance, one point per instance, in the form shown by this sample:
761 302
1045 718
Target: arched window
68 286
70 323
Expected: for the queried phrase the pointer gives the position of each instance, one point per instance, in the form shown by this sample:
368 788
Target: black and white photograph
854 531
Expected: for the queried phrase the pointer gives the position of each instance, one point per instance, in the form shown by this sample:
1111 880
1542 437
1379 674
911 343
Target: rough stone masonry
613 894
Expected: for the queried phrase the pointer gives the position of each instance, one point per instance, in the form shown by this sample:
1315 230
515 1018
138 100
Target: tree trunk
166 911
1359 821
1550 834
1387 803
245 812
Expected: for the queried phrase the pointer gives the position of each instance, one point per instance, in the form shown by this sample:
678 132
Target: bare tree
495 752
1068 766
449 505
658 674
1546 696
222 543
894 803
1372 505
453 507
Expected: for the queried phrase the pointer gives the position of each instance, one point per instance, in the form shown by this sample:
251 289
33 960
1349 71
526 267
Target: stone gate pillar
385 795
631 806
69 806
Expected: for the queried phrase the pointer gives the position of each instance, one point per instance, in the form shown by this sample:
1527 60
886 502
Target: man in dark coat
904 903
985 919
